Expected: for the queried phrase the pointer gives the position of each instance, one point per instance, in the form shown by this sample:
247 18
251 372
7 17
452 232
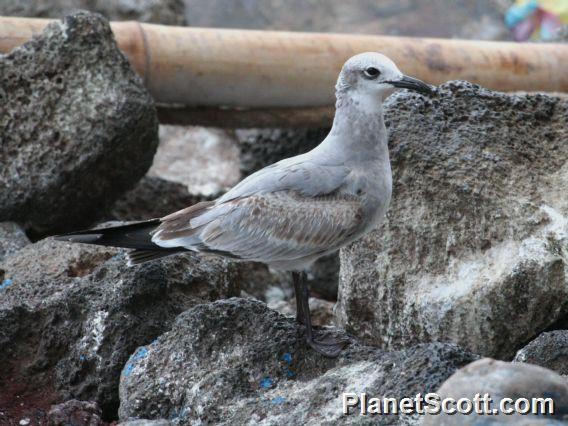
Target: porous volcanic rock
12 239
72 314
78 126
152 197
237 362
262 147
500 380
74 412
473 244
549 350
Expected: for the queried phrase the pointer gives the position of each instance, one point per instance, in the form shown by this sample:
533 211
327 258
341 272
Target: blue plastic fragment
140 353
266 383
278 400
287 357
6 283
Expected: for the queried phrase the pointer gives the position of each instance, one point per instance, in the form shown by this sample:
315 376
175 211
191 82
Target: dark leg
324 343
298 278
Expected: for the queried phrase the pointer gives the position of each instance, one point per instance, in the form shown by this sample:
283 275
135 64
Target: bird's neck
358 127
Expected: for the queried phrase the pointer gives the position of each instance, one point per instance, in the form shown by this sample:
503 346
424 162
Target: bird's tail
137 236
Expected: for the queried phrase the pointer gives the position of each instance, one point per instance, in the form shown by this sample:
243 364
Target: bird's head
373 74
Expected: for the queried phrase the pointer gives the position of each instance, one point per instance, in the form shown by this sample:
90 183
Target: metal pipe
202 69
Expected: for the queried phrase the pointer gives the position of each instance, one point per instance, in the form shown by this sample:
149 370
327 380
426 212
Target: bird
292 212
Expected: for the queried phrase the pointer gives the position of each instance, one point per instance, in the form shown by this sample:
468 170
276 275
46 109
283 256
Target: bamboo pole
268 77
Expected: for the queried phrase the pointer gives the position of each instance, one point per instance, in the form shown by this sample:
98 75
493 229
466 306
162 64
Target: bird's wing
279 226
300 174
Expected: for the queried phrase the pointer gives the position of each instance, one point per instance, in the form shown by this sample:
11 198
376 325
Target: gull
292 212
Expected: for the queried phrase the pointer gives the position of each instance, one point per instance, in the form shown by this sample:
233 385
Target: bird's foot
327 344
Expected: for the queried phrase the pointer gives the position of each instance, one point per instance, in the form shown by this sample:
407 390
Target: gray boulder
471 250
236 361
79 128
12 239
73 314
501 380
549 350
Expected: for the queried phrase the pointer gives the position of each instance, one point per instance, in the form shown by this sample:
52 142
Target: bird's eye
372 72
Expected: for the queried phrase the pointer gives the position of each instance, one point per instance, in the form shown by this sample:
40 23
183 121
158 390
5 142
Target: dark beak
413 84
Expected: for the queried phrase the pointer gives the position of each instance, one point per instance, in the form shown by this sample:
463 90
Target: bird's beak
413 84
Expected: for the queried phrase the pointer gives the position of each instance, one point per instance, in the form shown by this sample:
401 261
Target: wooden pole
283 77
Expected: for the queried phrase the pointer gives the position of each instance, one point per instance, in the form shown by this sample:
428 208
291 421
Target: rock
321 310
79 128
12 239
323 277
152 197
170 12
472 247
261 147
503 380
75 412
204 160
549 350
237 362
73 314
144 422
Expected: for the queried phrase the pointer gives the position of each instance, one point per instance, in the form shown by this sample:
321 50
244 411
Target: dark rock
12 239
323 277
236 361
471 250
170 12
74 412
549 350
152 197
321 310
73 314
79 128
144 422
262 147
503 380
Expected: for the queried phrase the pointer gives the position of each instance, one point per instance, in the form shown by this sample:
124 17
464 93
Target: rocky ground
470 262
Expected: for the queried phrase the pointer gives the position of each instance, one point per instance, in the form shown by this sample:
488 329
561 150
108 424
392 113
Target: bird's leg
298 278
324 343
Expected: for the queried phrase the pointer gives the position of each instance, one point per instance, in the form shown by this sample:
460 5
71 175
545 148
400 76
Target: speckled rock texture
262 147
549 350
169 12
237 362
152 197
12 239
472 247
79 128
72 314
503 380
75 413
